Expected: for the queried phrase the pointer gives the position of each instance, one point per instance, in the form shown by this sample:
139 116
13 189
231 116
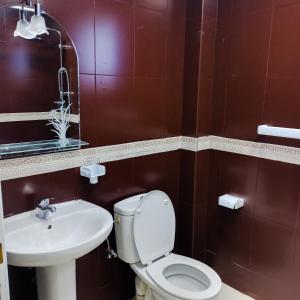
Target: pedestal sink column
57 282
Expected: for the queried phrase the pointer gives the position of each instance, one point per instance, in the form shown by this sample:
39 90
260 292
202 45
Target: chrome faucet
44 209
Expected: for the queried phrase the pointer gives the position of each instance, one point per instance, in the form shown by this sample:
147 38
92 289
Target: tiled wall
131 55
256 249
97 277
201 25
257 68
133 73
131 66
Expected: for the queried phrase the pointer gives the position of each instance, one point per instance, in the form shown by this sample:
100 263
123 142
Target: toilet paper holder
231 202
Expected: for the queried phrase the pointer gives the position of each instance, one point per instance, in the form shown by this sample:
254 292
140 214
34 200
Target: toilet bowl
145 234
178 277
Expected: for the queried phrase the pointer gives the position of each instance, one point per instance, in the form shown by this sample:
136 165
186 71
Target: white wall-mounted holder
283 132
93 172
231 202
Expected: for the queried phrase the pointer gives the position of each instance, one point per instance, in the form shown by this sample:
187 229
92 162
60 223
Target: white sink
76 228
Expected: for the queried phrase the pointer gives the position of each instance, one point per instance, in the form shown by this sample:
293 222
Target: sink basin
76 228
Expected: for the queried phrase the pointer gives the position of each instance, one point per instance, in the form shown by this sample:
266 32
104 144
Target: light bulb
37 22
23 28
38 25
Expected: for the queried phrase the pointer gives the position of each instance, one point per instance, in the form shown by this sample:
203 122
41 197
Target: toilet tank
124 215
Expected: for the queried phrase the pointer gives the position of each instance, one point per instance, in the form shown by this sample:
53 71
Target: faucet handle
45 203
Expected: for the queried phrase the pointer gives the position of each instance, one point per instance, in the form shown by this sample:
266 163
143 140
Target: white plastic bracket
93 172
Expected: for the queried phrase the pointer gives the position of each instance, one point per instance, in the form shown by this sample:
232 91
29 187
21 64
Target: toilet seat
184 277
176 276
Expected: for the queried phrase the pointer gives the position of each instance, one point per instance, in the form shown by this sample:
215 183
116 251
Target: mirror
39 87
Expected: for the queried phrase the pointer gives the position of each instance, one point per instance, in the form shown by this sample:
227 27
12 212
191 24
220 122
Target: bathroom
194 98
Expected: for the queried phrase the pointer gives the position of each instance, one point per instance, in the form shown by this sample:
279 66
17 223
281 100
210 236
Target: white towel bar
283 132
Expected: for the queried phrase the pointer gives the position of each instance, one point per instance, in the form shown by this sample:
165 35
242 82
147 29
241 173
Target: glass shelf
38 147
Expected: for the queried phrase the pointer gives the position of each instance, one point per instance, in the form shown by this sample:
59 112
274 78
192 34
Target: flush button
166 202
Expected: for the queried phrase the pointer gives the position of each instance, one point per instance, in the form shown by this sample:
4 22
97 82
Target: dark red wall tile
187 176
272 250
190 79
114 37
174 71
151 110
160 5
210 8
160 171
229 235
194 8
244 108
137 53
277 194
201 26
295 275
177 8
185 217
24 194
150 43
207 47
114 186
200 202
259 242
285 42
184 223
78 20
25 280
2 26
239 178
279 109
262 287
205 107
250 44
86 284
257 45
88 114
114 95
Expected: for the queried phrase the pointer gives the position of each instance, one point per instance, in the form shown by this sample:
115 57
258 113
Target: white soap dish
93 172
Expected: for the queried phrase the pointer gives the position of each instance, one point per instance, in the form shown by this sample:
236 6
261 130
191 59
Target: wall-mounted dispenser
231 202
93 172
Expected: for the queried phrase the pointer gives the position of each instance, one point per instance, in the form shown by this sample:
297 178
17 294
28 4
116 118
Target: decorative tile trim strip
32 116
136 149
41 164
261 150
204 143
190 143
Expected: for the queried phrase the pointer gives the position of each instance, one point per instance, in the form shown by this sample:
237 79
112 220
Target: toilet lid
154 226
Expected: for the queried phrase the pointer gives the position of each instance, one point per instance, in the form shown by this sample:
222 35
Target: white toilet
145 235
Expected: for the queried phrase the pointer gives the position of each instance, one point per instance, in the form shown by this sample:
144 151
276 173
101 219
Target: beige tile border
32 116
41 164
261 150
